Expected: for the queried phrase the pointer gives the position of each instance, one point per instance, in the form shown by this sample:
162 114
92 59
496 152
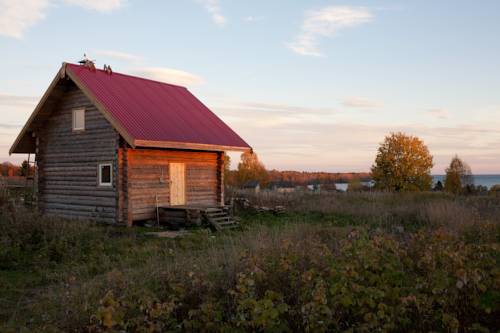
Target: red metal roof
155 111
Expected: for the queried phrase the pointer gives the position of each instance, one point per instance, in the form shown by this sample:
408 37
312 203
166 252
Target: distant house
114 147
314 187
253 186
282 186
328 187
355 186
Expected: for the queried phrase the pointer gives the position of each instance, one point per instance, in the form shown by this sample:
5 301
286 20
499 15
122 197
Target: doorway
177 184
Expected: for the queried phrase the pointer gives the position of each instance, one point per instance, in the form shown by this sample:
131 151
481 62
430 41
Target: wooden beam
126 186
189 146
220 177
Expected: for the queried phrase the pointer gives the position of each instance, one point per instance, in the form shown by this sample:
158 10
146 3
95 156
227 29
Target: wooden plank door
177 184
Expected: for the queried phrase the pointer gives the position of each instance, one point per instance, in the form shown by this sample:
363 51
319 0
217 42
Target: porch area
179 217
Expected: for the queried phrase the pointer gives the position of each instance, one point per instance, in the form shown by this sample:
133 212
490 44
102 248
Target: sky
311 85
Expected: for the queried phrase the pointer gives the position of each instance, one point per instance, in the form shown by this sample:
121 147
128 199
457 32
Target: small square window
78 119
105 174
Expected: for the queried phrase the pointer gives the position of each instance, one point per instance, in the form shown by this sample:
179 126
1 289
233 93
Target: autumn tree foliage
495 190
250 169
8 169
458 176
403 163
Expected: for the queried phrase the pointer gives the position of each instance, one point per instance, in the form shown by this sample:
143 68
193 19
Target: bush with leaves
364 282
495 190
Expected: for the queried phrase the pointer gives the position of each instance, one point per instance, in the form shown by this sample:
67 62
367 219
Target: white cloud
168 75
17 16
15 110
213 8
326 22
117 55
361 103
269 115
9 126
438 113
284 109
251 19
17 101
258 116
98 5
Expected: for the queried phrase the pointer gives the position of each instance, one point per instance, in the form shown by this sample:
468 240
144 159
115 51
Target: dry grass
320 267
429 208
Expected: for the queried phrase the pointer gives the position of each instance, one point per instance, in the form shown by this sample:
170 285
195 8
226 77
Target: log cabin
113 147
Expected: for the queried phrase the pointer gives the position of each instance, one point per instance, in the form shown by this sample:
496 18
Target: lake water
484 180
343 186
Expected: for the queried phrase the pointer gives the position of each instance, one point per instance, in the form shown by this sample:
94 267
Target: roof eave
189 146
60 74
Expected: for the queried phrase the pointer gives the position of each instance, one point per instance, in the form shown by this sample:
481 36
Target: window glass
105 174
79 119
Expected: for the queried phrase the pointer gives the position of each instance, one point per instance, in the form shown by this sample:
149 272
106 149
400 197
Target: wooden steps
177 217
220 219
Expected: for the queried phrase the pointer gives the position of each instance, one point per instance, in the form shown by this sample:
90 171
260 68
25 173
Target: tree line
8 169
403 163
251 169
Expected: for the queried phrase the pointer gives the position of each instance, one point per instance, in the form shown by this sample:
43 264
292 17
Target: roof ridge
131 76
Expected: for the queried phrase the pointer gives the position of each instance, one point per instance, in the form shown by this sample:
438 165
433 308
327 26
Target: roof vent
107 69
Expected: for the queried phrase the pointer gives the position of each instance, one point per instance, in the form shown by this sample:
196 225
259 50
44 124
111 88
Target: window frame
78 129
99 174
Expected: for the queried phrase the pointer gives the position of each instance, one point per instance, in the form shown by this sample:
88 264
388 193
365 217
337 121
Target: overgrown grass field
352 262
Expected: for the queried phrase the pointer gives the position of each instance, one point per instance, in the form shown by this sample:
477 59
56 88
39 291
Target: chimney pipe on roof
89 63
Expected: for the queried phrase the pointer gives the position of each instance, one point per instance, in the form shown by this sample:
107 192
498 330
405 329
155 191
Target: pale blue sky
311 85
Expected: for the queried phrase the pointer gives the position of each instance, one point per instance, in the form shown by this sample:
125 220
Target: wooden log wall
68 162
148 177
220 177
124 206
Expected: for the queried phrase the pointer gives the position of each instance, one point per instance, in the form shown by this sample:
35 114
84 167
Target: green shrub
32 241
433 281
